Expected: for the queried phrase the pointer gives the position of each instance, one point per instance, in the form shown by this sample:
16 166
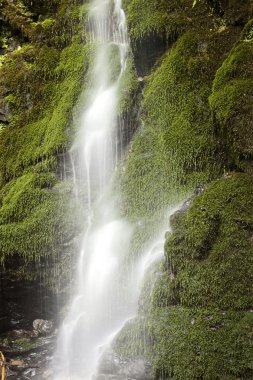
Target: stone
17 363
4 112
112 366
43 326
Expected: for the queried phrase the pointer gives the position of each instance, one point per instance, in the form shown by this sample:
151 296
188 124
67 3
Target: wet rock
17 363
30 372
4 113
21 341
148 50
43 326
32 364
112 366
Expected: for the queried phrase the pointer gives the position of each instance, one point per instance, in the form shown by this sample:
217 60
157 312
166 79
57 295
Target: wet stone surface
28 354
114 367
27 329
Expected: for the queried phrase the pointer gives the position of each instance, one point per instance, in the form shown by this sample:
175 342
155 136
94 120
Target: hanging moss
176 149
231 105
40 83
26 142
148 17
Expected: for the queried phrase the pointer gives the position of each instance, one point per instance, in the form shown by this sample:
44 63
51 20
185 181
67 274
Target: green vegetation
210 250
176 150
200 320
33 217
155 17
232 107
196 321
41 112
195 106
41 81
201 344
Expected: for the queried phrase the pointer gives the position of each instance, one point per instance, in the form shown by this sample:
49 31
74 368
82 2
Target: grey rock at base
114 367
43 326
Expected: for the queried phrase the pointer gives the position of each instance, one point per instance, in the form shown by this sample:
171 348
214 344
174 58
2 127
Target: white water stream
108 291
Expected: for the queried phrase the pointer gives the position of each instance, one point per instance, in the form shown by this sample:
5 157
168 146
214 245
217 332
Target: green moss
176 149
34 220
210 253
17 15
130 342
45 122
25 344
197 317
247 34
160 17
201 344
41 83
128 88
19 197
231 105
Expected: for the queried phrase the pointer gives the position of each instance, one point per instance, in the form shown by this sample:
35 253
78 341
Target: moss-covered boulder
201 316
201 344
210 250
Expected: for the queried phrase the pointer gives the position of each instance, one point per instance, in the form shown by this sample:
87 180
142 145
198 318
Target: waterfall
108 287
99 307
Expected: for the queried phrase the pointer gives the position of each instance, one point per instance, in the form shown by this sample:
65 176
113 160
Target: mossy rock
130 342
45 121
210 252
231 103
176 149
199 312
33 219
41 82
201 344
21 342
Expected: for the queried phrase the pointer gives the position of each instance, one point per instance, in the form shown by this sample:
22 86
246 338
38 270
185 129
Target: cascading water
99 306
108 289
